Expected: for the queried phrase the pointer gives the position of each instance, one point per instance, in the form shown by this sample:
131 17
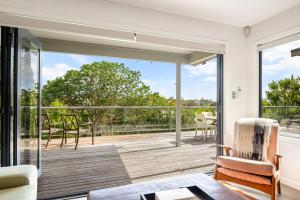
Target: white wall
277 27
290 148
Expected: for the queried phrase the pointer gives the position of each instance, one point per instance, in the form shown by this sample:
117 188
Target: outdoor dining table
212 118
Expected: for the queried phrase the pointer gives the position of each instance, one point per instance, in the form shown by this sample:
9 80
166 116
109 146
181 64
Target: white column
178 104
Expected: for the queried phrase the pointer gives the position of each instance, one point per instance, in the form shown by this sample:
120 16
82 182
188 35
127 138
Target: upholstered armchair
18 182
259 174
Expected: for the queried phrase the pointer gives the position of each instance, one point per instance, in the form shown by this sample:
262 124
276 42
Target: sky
278 64
196 81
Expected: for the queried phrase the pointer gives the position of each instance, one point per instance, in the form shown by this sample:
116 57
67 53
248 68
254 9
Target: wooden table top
133 191
211 117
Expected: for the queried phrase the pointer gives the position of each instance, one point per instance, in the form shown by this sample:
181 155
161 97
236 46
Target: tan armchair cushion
245 176
247 166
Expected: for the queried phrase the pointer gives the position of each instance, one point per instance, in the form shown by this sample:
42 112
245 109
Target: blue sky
197 81
278 64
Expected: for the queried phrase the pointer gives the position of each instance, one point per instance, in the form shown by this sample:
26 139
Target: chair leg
279 187
77 140
215 172
62 140
274 187
49 139
65 139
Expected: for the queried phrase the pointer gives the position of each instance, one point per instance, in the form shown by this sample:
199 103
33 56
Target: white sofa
18 182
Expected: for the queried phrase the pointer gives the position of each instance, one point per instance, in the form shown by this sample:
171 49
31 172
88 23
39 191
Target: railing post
178 104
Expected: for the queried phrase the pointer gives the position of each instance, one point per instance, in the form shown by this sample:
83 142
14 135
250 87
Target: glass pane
137 96
198 108
281 86
29 105
198 91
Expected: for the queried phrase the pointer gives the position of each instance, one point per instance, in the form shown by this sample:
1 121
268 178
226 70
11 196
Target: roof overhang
193 58
75 38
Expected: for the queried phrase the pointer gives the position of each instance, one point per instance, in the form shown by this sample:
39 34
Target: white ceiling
233 12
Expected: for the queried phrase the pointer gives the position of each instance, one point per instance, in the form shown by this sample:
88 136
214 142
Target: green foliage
28 114
285 92
55 113
98 83
282 95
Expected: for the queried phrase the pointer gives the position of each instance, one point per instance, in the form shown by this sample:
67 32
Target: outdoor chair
211 121
71 126
201 124
48 127
168 117
241 166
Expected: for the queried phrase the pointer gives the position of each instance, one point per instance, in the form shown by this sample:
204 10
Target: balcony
287 116
131 144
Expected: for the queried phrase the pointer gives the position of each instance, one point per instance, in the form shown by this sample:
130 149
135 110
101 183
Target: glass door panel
29 95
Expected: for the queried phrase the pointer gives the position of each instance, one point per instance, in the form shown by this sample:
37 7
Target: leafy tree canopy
285 92
100 83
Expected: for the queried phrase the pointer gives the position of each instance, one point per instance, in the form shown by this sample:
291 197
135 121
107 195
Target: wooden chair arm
277 159
226 148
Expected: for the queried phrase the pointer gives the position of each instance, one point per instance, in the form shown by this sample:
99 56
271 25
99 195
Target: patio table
212 118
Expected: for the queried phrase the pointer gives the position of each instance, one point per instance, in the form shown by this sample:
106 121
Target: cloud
209 69
57 70
210 79
278 60
164 88
80 59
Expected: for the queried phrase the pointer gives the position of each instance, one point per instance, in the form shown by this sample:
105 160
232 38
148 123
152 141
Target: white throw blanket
252 138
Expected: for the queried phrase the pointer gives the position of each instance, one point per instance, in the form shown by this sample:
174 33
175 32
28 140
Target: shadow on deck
120 160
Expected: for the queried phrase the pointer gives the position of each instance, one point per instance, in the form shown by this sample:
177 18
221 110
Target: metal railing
114 120
281 112
287 116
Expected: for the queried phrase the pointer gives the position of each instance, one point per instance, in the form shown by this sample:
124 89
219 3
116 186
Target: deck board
120 160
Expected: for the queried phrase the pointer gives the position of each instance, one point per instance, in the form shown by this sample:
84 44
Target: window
280 86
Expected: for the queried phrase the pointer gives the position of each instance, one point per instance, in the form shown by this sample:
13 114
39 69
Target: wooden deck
119 160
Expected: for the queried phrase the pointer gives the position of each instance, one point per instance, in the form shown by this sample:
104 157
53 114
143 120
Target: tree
103 84
99 83
285 92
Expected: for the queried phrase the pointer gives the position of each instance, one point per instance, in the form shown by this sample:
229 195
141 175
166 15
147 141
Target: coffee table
133 191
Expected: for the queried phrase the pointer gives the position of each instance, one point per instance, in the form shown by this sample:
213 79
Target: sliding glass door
28 93
20 122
